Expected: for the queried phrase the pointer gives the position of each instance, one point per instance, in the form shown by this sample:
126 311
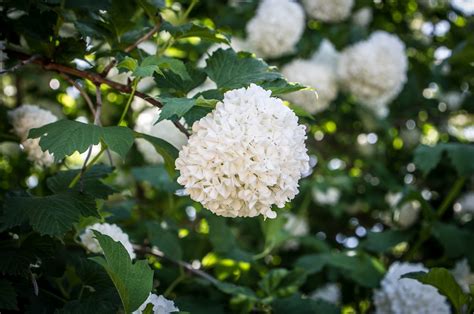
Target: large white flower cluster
374 71
330 292
245 156
276 28
165 130
90 242
329 11
161 305
407 296
25 118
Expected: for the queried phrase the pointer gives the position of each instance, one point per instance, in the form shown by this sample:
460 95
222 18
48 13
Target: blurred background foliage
260 266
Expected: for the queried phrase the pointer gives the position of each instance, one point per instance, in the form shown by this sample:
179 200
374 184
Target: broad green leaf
133 281
441 279
282 86
274 232
281 282
128 63
167 241
157 176
297 304
300 112
195 114
165 149
152 64
92 183
62 138
230 288
175 108
382 242
197 305
427 158
461 156
312 263
7 296
175 85
193 30
453 239
52 215
230 70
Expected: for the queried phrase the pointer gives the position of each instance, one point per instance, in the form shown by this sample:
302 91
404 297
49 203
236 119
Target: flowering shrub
261 156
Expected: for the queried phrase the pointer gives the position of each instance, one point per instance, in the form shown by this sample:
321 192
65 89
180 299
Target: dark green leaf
176 85
175 108
165 149
167 241
427 157
230 70
296 304
194 30
64 137
157 176
453 239
281 87
382 242
133 281
152 64
281 282
7 296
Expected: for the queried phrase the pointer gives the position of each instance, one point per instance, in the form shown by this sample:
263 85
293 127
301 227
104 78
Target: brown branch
81 90
96 79
30 59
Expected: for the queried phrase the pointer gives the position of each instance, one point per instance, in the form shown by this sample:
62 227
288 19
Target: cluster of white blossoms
164 129
407 296
276 28
245 156
161 305
90 242
330 196
329 11
463 275
402 215
330 292
374 71
25 118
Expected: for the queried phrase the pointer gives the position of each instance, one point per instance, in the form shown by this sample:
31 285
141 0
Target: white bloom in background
326 55
453 99
363 16
25 118
90 242
374 71
329 197
464 207
237 44
245 156
161 305
330 292
329 11
407 296
403 215
462 274
465 6
165 130
296 227
318 76
276 28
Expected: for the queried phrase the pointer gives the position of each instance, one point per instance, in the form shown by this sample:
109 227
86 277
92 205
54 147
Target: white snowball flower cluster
463 275
25 118
407 296
330 292
328 197
161 305
276 28
362 17
90 242
403 215
465 6
245 156
165 130
330 11
374 71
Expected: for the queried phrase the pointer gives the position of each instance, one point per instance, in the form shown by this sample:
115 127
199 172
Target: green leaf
128 63
230 288
281 282
230 70
7 296
92 183
62 138
461 156
296 304
453 239
157 176
52 215
176 85
312 263
152 64
282 86
175 108
167 241
300 112
165 149
382 242
441 279
193 30
133 281
427 158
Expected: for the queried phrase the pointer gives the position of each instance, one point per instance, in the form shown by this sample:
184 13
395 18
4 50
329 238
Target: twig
84 95
31 59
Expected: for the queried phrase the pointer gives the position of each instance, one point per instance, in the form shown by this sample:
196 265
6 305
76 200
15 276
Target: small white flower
90 242
329 11
374 71
407 296
330 292
25 118
161 305
362 17
276 28
465 6
245 156
165 130
402 215
328 197
296 227
462 274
